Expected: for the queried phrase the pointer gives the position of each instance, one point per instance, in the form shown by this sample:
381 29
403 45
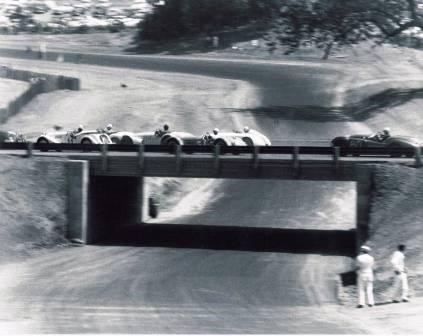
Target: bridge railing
191 149
294 151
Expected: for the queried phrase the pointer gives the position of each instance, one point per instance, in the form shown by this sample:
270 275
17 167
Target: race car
377 140
246 137
216 137
125 138
254 138
168 138
85 137
11 137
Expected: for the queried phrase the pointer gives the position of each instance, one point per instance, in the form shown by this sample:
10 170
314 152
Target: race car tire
248 142
126 140
172 143
220 143
86 141
43 141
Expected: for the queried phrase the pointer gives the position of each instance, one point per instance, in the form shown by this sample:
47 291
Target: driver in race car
381 136
386 133
79 129
166 129
108 129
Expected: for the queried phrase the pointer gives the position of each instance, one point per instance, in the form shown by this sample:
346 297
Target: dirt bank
33 214
10 89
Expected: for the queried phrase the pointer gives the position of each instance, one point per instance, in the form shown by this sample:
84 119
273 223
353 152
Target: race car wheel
248 142
86 141
126 140
172 143
43 141
220 143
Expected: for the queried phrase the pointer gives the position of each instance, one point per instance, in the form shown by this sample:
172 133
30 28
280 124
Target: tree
177 18
334 23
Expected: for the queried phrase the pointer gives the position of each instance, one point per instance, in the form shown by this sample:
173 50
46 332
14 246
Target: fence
38 83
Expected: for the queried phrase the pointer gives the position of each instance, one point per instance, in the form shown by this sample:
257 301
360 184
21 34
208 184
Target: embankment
38 83
32 205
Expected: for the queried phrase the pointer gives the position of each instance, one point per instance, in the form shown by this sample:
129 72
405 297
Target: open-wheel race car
377 140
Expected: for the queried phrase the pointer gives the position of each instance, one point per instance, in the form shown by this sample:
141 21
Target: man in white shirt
365 263
401 281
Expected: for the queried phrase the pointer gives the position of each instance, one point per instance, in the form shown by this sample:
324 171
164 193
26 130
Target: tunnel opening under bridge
116 212
114 204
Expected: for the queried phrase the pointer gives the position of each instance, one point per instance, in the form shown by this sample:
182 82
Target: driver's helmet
80 128
215 131
109 127
387 131
246 129
166 127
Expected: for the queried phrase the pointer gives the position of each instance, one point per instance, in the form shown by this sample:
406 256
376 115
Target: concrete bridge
106 189
97 176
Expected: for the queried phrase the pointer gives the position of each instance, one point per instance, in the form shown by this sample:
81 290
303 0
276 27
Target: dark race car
375 141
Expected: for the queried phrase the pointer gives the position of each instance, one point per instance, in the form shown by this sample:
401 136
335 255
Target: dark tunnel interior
114 209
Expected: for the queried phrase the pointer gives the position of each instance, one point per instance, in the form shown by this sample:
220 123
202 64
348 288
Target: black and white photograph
211 167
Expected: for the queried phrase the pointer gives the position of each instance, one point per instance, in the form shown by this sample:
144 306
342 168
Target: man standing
401 281
365 263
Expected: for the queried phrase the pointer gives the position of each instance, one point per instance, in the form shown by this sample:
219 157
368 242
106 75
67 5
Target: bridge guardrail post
216 162
336 154
256 151
29 149
141 158
418 156
104 152
295 157
178 155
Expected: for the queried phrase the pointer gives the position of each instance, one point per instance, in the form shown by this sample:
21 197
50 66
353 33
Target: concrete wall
39 83
77 200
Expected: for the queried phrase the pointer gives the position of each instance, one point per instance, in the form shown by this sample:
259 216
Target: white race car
223 139
125 138
168 138
246 137
85 137
12 137
254 138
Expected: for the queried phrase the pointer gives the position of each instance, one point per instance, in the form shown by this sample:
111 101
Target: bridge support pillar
364 189
77 199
